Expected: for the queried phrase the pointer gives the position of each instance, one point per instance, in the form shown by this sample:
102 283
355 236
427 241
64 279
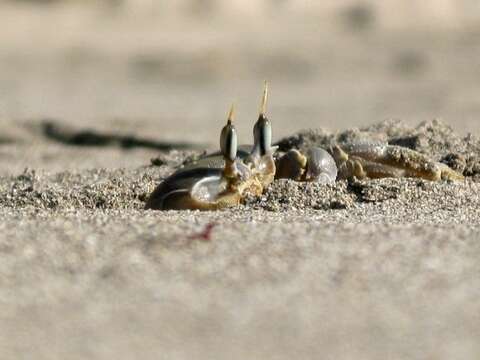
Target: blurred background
170 69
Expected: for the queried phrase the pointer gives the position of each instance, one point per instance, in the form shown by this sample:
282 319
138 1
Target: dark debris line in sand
83 137
127 189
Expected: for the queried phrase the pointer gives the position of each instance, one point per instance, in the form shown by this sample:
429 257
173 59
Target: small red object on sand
205 234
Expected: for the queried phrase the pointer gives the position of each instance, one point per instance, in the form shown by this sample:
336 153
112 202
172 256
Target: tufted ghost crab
225 178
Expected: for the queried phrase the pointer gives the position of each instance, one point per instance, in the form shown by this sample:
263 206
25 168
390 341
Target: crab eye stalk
262 131
228 139
262 135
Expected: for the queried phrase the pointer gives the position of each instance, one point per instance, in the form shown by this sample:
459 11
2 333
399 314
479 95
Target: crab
225 178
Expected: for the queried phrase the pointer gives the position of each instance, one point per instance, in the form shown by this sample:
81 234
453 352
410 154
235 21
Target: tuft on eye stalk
263 104
229 144
262 131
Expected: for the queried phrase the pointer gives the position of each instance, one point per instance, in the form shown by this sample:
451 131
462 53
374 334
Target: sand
368 269
100 101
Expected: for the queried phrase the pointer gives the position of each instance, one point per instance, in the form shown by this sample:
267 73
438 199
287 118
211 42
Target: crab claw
291 165
321 166
317 165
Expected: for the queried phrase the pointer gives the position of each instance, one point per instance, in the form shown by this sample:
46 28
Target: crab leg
382 160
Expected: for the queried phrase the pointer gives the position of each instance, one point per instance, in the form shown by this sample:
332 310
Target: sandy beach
361 269
96 110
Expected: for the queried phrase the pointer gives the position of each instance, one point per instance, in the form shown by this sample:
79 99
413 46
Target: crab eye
262 135
228 139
